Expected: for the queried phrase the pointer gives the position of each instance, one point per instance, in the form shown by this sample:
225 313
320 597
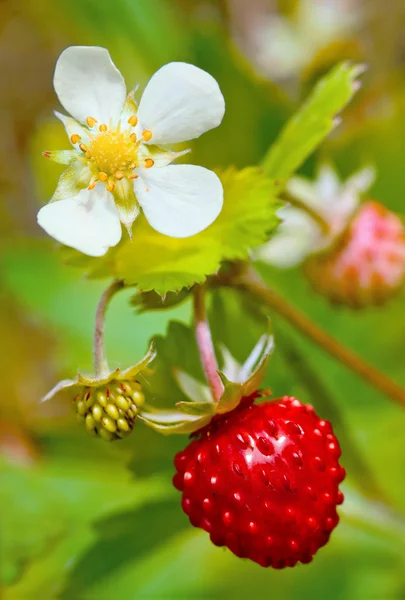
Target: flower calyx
240 382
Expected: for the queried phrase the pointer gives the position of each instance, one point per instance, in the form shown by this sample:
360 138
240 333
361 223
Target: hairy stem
250 282
205 344
100 361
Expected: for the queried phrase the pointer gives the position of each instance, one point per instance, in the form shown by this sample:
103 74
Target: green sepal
231 396
171 422
198 409
192 388
117 375
239 381
74 179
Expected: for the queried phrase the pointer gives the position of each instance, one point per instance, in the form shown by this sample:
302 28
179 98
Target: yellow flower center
112 151
113 154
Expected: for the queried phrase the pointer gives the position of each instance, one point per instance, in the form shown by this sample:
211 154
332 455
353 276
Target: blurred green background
81 519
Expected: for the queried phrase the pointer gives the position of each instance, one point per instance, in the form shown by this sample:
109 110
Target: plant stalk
99 357
205 344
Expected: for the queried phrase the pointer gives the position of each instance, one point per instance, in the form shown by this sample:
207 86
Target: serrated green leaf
313 121
153 261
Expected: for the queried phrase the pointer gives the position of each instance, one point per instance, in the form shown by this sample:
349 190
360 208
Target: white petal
294 239
88 222
180 103
179 200
88 84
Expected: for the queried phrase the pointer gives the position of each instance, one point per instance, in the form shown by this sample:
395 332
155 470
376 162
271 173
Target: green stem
100 361
249 281
205 344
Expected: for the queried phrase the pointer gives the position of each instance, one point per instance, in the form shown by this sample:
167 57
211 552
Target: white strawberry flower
300 234
117 165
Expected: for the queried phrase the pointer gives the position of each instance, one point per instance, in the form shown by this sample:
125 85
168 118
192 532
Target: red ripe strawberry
367 266
263 481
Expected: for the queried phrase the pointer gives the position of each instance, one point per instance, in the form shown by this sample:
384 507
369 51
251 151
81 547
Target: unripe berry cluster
110 411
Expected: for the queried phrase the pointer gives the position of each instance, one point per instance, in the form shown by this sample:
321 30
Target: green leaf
153 261
313 121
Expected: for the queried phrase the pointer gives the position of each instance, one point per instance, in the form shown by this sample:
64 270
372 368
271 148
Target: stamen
132 166
102 176
133 121
88 154
119 175
147 135
92 185
75 138
103 127
91 121
149 162
133 176
110 186
133 137
83 147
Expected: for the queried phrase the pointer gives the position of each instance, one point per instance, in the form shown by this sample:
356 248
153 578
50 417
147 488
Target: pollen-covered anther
147 135
91 121
133 121
149 162
133 137
133 176
119 175
103 127
102 176
83 147
75 138
110 186
92 185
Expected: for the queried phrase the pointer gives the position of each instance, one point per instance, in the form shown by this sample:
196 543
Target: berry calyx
367 265
263 480
110 411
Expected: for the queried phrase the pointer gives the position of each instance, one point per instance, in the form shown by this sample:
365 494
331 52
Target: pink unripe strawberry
366 266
